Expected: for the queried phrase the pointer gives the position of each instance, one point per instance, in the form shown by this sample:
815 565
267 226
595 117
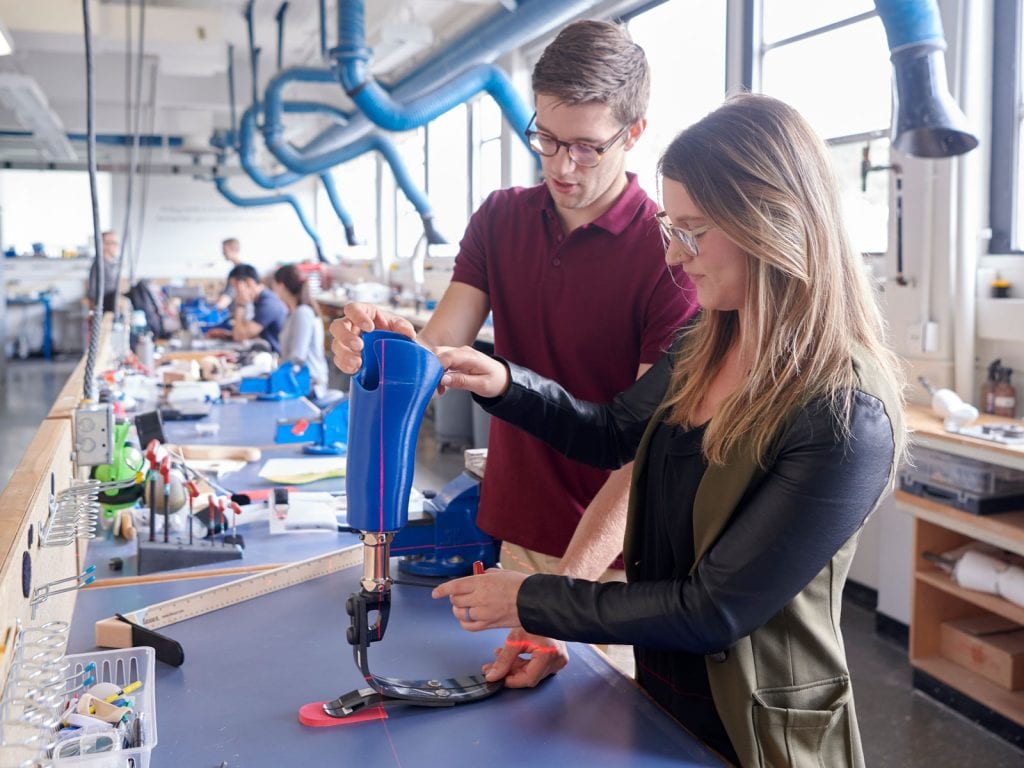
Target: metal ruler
233 592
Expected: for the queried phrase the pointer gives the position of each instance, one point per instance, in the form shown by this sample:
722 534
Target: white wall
186 220
945 206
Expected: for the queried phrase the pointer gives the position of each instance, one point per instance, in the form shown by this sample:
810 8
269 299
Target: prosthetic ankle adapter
388 397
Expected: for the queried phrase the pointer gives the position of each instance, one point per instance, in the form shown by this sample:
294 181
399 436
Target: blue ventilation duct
504 31
367 140
352 57
339 209
928 123
247 158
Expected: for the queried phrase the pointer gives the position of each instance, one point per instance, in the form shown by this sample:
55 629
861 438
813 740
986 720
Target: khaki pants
516 558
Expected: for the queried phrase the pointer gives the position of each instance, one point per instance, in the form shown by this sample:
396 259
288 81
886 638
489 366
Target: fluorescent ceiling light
6 41
23 96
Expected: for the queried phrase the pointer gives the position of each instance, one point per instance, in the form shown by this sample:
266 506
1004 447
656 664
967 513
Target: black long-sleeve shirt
815 495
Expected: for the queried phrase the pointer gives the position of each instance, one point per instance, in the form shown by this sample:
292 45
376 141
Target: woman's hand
486 601
543 657
466 368
359 318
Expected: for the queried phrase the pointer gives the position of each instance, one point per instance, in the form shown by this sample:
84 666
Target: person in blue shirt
302 339
268 311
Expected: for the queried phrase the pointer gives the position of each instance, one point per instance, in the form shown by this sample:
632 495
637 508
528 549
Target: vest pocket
804 726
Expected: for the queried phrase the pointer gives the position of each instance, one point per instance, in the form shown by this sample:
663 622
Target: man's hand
359 318
218 333
466 368
526 659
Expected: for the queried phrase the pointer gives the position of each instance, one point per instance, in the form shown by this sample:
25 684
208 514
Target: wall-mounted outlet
915 338
930 338
93 435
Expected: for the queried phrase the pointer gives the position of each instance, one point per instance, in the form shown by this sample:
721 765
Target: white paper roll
975 570
1011 584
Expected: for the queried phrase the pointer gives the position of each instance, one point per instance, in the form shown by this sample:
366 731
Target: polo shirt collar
622 213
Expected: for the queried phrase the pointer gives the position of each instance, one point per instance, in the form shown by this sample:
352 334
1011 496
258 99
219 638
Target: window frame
1005 179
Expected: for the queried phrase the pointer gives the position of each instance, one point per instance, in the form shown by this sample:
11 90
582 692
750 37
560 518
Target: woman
302 338
762 442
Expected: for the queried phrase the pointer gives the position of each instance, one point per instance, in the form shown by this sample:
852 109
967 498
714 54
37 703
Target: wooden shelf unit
936 598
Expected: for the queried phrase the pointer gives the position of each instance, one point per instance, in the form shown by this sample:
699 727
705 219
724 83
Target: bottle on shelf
987 395
1004 395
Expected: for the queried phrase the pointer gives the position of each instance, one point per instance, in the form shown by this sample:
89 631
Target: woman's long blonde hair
763 177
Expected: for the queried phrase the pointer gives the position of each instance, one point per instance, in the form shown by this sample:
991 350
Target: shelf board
991 603
926 430
1005 530
1009 704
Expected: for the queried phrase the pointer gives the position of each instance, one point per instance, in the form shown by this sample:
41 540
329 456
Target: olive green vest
783 692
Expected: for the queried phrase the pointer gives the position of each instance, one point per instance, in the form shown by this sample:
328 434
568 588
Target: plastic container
965 474
122 667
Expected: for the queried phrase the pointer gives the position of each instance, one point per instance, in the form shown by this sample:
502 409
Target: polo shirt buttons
557 262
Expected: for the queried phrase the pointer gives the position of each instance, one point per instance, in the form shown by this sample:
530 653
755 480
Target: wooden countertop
926 428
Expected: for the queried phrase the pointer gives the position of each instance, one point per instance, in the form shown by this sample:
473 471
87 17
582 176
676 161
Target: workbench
249 667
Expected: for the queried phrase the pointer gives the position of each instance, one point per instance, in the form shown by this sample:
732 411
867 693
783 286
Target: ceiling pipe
352 58
928 122
346 221
254 52
274 107
246 135
231 88
504 31
323 30
223 141
247 159
279 18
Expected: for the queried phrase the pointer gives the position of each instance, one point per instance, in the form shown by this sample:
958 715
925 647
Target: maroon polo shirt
585 309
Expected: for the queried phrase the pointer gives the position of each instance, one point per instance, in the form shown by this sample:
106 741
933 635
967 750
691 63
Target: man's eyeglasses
686 237
584 155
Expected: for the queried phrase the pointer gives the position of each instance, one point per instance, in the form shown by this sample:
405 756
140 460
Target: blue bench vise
326 435
445 541
287 382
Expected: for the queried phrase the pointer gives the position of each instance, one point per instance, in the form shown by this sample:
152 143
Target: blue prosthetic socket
388 398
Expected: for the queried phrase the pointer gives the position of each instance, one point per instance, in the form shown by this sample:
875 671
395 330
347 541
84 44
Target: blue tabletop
250 667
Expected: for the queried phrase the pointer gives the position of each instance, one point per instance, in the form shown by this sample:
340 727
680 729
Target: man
268 313
111 246
231 249
574 273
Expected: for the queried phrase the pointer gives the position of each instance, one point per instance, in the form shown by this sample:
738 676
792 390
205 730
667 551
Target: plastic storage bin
122 667
971 475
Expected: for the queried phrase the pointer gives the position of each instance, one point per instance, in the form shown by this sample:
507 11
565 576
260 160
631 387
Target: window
487 119
408 226
29 199
806 49
687 75
448 171
1006 178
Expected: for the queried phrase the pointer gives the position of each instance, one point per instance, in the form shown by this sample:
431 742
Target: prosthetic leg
387 401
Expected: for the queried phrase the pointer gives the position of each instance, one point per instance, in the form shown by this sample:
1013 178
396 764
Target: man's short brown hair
231 242
596 61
